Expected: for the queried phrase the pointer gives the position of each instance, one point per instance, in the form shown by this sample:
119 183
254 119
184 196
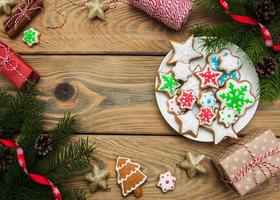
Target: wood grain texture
128 31
166 152
113 94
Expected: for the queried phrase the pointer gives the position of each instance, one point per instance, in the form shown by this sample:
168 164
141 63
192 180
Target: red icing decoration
209 77
186 99
206 116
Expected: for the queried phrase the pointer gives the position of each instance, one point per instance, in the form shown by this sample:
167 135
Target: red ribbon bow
251 21
35 177
260 162
23 13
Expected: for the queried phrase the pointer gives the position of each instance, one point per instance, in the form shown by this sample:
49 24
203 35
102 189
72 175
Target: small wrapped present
17 70
248 163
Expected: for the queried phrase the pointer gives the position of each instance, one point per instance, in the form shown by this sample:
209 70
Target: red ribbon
251 21
35 177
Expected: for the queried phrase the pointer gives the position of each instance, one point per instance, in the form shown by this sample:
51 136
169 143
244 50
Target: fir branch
270 87
17 110
76 193
71 159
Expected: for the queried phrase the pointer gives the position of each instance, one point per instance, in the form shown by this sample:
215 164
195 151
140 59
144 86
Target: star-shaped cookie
31 37
193 164
96 9
188 123
209 77
6 6
184 52
221 132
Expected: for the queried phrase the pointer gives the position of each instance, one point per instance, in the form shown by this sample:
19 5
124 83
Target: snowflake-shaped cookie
208 99
213 61
209 77
31 37
166 182
186 99
173 106
206 116
167 83
237 96
182 71
227 116
184 52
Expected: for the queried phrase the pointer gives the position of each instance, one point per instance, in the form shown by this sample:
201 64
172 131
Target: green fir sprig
248 38
22 116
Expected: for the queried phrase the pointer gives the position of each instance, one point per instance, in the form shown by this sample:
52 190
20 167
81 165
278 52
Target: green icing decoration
168 83
236 97
30 36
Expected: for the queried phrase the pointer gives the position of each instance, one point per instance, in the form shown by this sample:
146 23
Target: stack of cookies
210 96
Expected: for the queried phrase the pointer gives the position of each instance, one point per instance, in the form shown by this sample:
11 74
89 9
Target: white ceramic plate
247 72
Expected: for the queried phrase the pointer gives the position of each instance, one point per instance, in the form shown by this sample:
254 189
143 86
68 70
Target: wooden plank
113 94
166 152
127 31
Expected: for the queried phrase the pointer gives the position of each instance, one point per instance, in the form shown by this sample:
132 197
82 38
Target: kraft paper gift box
249 162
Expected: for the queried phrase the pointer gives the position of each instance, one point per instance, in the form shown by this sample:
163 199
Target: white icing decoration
193 83
228 62
166 182
208 100
182 71
184 52
227 116
220 132
188 123
173 106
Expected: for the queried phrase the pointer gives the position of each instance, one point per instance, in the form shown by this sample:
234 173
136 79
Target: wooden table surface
105 73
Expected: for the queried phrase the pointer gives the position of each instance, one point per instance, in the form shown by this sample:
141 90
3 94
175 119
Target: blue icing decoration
234 75
208 101
215 61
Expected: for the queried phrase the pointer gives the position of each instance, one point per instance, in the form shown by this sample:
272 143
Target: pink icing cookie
206 116
209 77
166 182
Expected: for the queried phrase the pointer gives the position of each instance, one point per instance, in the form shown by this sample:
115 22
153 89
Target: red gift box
17 70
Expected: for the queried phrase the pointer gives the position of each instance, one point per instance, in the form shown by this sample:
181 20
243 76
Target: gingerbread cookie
31 37
193 83
182 71
186 99
206 116
221 132
207 99
209 77
184 52
166 182
237 96
227 116
189 124
228 62
167 83
130 177
213 60
173 106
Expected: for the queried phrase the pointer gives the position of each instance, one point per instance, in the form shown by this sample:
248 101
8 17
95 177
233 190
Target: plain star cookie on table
96 9
184 52
166 182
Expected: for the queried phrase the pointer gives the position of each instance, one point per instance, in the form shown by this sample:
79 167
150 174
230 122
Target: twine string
9 64
257 162
24 11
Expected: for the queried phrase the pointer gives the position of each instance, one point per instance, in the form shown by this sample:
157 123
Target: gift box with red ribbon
17 70
250 162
